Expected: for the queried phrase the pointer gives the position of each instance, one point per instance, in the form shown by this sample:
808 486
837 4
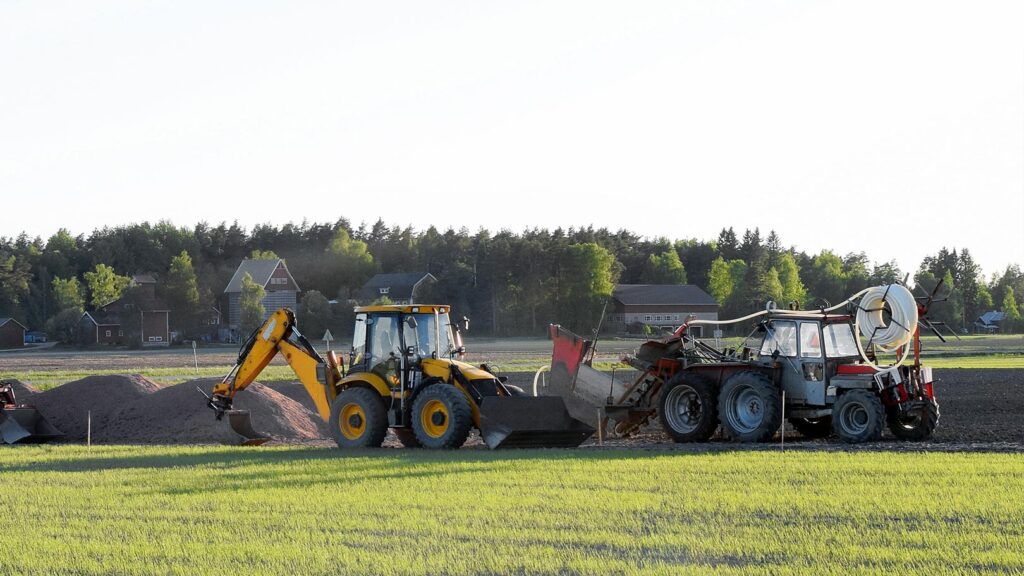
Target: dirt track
981 409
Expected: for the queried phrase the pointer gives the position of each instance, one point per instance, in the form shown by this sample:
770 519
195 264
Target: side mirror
464 324
411 322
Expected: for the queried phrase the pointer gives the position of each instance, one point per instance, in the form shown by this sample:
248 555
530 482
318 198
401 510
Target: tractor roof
404 309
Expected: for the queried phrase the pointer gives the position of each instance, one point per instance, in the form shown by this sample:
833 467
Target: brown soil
178 414
68 407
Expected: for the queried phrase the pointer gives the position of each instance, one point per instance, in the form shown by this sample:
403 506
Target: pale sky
892 128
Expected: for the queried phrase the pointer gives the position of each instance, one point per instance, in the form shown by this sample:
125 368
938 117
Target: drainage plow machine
847 370
21 422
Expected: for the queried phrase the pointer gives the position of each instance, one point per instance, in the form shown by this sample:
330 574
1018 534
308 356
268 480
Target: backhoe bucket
530 422
26 424
241 423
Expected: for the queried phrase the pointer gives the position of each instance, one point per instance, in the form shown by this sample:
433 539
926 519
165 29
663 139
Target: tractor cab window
383 346
810 340
431 334
840 341
781 336
358 341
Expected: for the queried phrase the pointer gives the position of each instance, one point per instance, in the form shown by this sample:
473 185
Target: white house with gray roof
273 275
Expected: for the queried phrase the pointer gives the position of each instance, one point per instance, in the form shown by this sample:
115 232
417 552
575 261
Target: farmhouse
403 288
989 322
104 325
662 306
12 333
273 276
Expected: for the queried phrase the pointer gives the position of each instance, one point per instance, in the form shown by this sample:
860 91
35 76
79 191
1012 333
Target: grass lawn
287 510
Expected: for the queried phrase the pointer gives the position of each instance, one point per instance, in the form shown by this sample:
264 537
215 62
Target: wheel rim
745 409
683 408
352 421
434 418
855 418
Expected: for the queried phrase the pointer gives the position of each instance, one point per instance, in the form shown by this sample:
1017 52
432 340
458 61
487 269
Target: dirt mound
22 392
67 407
178 414
297 392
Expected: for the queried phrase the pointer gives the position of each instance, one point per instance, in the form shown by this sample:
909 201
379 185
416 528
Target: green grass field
211 510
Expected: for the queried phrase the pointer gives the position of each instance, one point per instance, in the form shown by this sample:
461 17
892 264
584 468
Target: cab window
781 336
358 341
840 341
810 340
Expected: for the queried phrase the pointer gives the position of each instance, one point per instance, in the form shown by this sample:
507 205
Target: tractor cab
809 348
391 340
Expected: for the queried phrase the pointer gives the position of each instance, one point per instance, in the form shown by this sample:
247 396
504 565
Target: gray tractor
805 365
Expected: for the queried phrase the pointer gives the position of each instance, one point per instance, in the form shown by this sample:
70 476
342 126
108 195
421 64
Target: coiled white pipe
898 332
891 336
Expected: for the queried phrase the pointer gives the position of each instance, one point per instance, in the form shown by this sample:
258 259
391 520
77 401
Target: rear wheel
813 427
441 417
858 416
915 425
358 419
750 407
687 408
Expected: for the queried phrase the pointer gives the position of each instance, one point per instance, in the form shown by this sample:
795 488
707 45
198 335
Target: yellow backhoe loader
403 374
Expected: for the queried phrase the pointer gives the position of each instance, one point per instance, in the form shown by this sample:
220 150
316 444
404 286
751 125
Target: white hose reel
891 336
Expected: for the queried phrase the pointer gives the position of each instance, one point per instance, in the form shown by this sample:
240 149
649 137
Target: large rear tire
750 407
915 426
858 416
688 408
441 416
358 419
813 427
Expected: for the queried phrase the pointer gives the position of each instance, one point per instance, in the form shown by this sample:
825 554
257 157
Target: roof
662 294
103 318
992 317
144 279
260 270
399 286
6 320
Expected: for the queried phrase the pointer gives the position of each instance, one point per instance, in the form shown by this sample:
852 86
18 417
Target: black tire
407 437
749 407
441 416
688 408
858 416
813 427
358 419
916 426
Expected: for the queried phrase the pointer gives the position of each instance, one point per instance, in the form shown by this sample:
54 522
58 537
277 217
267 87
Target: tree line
510 283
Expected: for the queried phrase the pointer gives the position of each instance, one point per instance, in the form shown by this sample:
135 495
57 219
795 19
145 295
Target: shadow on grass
242 457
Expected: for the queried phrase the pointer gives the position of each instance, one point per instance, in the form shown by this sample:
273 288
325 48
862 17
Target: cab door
812 364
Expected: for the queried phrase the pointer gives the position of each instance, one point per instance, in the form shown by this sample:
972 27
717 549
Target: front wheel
687 408
441 416
750 407
858 416
358 419
916 424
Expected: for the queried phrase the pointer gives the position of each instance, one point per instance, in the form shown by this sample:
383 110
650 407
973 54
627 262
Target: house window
156 339
108 333
647 318
120 332
385 290
279 281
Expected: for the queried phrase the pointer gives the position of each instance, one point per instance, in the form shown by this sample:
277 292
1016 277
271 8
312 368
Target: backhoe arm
278 334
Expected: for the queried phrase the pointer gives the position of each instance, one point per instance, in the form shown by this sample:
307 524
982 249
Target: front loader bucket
241 423
530 422
25 424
